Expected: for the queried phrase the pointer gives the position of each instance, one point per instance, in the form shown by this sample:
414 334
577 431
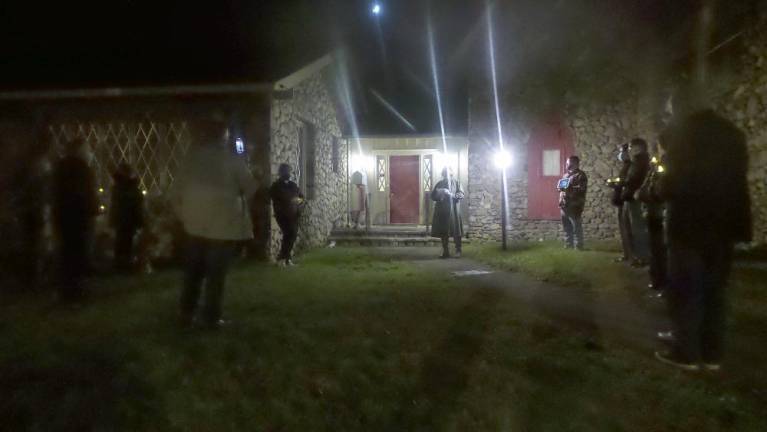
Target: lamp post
502 161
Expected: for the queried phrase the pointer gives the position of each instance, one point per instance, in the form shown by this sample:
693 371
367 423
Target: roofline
285 83
302 74
114 92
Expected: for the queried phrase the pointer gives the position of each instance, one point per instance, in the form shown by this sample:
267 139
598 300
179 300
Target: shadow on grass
90 387
446 370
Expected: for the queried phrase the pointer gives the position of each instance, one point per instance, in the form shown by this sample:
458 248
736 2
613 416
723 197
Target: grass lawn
353 340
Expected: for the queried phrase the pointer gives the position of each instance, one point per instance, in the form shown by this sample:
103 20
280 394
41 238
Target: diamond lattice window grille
381 169
427 172
154 149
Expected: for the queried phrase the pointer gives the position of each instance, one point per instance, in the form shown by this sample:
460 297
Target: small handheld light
654 160
239 146
143 192
661 169
376 9
101 190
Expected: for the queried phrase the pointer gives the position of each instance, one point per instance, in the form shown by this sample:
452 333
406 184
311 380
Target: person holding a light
287 202
572 200
624 225
654 210
210 198
447 195
632 208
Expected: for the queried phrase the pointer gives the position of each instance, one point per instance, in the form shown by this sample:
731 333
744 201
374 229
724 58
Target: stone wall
597 130
745 103
311 102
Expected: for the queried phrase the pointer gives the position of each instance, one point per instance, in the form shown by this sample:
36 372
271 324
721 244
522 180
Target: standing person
287 201
572 200
358 197
75 206
624 225
210 197
447 222
31 188
648 195
632 208
127 214
708 210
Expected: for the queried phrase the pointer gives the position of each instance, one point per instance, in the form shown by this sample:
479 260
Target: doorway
551 143
404 196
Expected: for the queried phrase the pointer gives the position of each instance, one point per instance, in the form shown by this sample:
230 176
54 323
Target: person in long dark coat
447 195
127 214
287 201
75 207
708 210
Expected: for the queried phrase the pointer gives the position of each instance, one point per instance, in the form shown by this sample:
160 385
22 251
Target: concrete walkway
634 320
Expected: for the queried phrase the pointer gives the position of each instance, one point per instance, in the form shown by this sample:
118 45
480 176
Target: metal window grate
154 149
381 173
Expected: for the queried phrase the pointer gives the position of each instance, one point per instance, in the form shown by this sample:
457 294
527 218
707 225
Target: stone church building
540 141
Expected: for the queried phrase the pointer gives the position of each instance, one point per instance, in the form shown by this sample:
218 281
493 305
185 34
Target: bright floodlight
502 159
376 9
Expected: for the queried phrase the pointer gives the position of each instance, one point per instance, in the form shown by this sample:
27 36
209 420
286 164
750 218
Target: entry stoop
385 236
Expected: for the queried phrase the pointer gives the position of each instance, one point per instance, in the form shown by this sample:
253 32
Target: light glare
376 9
502 159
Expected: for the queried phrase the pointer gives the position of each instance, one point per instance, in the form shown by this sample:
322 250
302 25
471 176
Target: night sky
124 43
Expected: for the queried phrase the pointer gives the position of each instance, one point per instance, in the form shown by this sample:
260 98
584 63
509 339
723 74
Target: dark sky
133 42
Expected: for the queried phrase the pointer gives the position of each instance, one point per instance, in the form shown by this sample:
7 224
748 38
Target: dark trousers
289 228
573 227
697 279
124 247
658 254
31 254
446 241
73 263
640 244
206 261
624 225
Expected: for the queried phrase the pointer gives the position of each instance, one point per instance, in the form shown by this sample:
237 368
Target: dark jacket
649 194
127 212
284 194
74 195
617 200
573 199
640 166
447 219
705 185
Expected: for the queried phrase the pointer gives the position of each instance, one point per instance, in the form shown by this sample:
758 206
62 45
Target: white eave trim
300 75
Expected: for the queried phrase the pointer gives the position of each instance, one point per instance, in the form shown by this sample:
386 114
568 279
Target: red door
403 178
551 143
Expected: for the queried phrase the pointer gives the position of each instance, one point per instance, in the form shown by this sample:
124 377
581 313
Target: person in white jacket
210 197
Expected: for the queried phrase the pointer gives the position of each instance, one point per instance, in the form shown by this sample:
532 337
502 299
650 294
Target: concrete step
386 241
378 232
